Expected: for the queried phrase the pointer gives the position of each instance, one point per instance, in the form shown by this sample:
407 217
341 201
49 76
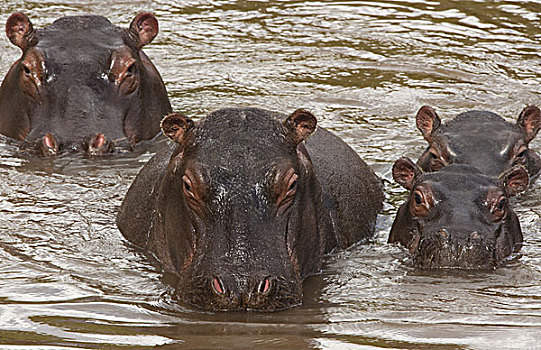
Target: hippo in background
242 209
481 139
458 217
82 84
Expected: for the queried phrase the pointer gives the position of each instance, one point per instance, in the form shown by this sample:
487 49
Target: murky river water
68 280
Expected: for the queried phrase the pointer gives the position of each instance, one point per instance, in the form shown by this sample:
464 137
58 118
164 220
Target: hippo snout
259 292
465 249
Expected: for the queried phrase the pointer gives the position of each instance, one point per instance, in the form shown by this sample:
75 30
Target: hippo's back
352 192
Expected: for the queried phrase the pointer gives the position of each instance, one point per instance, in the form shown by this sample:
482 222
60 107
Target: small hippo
457 217
82 84
242 209
479 138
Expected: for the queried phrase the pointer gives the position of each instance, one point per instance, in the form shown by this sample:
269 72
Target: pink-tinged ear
515 180
175 126
427 121
145 27
529 122
18 29
405 171
302 124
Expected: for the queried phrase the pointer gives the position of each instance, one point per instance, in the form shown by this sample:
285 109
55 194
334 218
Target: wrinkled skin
81 85
457 217
481 139
243 210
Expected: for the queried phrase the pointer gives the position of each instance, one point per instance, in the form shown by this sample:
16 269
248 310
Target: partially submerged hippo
242 210
457 217
82 84
481 139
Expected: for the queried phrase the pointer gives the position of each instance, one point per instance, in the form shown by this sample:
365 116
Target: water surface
68 279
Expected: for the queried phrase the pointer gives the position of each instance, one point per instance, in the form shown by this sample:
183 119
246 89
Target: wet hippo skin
243 209
481 139
82 84
457 217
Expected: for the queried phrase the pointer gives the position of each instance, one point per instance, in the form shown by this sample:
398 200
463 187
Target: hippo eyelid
521 151
187 184
287 189
132 68
498 207
422 201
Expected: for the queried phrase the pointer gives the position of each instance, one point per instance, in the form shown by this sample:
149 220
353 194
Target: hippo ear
529 122
405 171
301 123
145 27
18 30
515 180
175 126
427 121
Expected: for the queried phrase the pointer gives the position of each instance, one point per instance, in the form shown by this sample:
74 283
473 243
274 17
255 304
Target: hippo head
240 209
82 84
457 217
481 139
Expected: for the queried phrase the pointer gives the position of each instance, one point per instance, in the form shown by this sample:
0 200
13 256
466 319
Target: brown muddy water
68 279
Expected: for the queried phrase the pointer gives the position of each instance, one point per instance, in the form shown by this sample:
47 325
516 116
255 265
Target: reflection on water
364 68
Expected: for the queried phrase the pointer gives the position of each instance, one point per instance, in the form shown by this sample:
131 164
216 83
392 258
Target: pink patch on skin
99 141
266 286
217 285
48 141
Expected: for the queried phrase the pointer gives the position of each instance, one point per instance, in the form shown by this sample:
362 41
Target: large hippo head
481 139
239 212
457 217
82 84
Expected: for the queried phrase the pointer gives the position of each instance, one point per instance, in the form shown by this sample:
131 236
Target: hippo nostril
48 145
97 144
217 285
475 235
49 141
443 234
99 141
264 286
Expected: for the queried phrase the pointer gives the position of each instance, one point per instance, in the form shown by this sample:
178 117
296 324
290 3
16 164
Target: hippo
481 139
457 217
82 84
243 207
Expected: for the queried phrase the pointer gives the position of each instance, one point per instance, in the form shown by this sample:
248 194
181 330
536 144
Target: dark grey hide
243 210
457 217
481 139
82 84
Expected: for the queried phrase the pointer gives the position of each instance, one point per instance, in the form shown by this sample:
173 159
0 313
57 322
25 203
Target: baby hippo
481 139
457 217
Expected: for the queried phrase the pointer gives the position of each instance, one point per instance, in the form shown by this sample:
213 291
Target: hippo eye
292 186
187 183
420 205
418 199
436 163
132 69
499 210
